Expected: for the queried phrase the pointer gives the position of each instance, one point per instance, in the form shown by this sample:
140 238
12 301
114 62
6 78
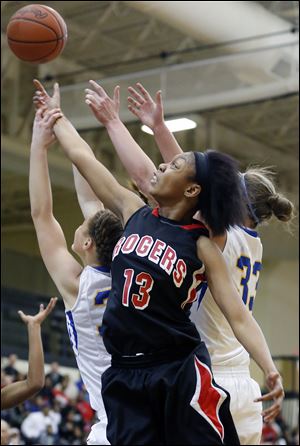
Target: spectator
10 368
4 432
85 409
78 436
69 388
48 437
47 391
54 374
5 379
15 437
35 425
59 392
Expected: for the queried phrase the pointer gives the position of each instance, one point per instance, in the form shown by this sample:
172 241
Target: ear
87 244
193 190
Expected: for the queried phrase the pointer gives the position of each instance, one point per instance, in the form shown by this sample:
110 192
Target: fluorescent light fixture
175 125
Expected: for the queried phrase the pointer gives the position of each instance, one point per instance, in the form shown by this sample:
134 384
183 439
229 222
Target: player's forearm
39 183
166 142
88 201
36 375
249 334
69 139
138 165
102 182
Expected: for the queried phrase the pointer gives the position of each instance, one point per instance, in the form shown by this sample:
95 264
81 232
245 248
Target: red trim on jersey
194 226
155 212
209 397
187 227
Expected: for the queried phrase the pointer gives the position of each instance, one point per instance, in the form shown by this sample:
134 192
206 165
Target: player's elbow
35 385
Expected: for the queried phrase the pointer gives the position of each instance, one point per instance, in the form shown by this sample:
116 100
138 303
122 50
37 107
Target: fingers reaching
116 96
22 315
56 92
101 92
39 87
136 95
51 305
133 110
51 116
143 91
158 98
133 102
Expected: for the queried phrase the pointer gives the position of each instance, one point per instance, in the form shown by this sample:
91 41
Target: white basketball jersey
243 256
84 322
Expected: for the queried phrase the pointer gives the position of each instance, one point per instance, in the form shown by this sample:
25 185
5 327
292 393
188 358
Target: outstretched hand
149 112
274 383
41 315
41 97
42 132
104 108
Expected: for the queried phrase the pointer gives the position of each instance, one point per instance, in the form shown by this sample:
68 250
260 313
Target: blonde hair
263 196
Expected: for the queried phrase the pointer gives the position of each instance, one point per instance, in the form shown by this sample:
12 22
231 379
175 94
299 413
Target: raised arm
151 114
15 393
88 202
139 166
243 324
61 265
114 196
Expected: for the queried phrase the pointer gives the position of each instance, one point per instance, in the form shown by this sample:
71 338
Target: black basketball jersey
155 277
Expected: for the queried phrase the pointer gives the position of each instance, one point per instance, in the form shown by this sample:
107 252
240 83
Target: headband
201 168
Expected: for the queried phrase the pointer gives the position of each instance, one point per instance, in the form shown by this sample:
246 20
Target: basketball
36 34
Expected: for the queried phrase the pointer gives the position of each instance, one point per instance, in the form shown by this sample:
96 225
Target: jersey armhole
131 216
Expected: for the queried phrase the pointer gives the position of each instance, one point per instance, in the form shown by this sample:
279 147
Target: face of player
80 238
170 182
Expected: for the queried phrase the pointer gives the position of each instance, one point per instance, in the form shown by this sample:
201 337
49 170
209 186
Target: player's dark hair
221 201
264 198
105 229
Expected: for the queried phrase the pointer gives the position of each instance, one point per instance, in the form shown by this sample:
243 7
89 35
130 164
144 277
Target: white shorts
243 390
98 433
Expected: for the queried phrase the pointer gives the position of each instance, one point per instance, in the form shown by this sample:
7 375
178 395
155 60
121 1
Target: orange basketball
36 34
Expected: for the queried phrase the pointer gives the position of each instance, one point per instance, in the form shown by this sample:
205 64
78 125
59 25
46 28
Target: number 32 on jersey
249 281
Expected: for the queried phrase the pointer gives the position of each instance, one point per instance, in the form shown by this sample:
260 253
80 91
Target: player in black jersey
160 389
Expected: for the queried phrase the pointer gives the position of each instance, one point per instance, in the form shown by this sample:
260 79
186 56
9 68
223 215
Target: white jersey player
84 322
230 361
84 289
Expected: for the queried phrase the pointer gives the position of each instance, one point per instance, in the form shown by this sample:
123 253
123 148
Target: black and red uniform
159 389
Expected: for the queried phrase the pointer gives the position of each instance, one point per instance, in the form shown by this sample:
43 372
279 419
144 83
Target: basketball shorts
167 398
97 434
245 412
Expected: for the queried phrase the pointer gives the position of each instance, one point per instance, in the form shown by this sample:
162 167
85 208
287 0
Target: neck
90 260
249 223
177 213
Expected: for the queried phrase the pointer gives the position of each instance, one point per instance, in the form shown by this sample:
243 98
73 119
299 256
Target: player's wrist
159 127
113 123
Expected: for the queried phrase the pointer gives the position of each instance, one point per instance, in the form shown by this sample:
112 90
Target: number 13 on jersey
141 300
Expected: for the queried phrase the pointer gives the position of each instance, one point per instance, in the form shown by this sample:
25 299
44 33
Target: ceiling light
174 125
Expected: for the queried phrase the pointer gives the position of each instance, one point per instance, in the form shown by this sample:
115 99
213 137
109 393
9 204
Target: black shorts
174 402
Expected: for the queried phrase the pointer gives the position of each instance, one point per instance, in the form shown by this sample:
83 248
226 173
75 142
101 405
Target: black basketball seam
37 43
44 57
34 21
53 15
